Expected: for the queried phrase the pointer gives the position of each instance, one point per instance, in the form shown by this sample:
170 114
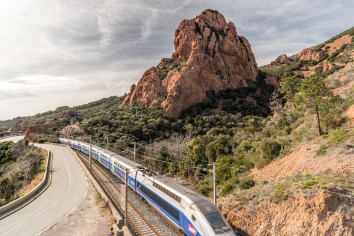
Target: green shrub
266 133
41 140
205 189
287 130
262 163
227 189
306 175
264 181
279 193
308 184
246 184
271 149
321 150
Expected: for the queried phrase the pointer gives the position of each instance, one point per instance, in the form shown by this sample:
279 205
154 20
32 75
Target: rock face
320 215
327 66
209 55
308 54
65 114
36 129
72 131
19 126
281 59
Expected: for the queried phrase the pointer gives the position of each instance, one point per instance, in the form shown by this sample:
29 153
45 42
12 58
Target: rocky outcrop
281 59
72 130
327 66
37 129
19 126
308 54
209 55
300 215
65 114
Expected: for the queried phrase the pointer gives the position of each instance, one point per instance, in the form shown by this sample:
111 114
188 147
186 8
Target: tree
314 91
290 87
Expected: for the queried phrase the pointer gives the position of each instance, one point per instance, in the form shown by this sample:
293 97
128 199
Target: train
187 210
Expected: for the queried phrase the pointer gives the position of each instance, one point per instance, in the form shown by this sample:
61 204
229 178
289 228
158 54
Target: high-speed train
187 210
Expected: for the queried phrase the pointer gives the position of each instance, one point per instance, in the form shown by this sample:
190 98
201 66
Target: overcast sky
64 52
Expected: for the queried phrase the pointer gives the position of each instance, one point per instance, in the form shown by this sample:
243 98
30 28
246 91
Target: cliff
209 55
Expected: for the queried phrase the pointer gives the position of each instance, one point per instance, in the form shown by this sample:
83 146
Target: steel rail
116 201
152 228
168 223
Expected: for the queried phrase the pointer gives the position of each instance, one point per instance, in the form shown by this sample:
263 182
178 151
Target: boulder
72 130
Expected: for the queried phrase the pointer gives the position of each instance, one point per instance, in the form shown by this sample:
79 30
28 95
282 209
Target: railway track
143 219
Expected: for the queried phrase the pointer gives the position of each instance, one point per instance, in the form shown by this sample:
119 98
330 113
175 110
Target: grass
38 178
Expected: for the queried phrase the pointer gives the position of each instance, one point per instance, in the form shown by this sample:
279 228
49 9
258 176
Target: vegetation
20 164
247 133
314 93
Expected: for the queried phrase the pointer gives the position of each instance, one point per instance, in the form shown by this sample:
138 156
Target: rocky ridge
281 59
209 55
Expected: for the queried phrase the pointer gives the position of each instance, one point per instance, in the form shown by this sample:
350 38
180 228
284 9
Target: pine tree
314 92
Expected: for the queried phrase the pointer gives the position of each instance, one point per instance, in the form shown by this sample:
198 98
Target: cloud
146 28
59 52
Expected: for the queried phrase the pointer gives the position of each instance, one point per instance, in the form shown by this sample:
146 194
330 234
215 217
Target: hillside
7 124
280 169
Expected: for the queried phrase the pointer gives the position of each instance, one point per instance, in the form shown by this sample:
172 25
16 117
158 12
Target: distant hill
7 124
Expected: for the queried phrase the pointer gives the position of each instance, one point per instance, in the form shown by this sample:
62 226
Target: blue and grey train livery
187 210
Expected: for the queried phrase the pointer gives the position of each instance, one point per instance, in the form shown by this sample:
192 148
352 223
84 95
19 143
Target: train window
193 218
169 193
164 205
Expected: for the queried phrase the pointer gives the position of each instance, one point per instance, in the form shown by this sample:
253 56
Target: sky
66 53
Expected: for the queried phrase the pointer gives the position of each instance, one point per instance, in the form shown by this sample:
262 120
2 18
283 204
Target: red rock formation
308 54
209 55
65 114
281 59
318 215
19 126
36 129
327 66
72 131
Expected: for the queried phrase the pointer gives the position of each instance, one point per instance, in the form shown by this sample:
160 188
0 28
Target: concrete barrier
114 212
22 199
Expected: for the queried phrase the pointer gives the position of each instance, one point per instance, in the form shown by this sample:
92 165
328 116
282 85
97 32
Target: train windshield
217 223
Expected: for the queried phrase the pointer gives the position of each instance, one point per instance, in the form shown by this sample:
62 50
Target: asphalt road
68 188
14 139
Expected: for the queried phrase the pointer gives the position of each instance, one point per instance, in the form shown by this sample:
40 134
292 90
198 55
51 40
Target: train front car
211 221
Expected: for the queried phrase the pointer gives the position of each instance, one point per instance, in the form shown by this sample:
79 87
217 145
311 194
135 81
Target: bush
227 189
321 150
41 140
246 184
262 163
205 189
266 133
271 149
308 184
264 181
287 130
279 193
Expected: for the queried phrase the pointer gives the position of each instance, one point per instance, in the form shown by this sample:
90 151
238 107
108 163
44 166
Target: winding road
68 188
